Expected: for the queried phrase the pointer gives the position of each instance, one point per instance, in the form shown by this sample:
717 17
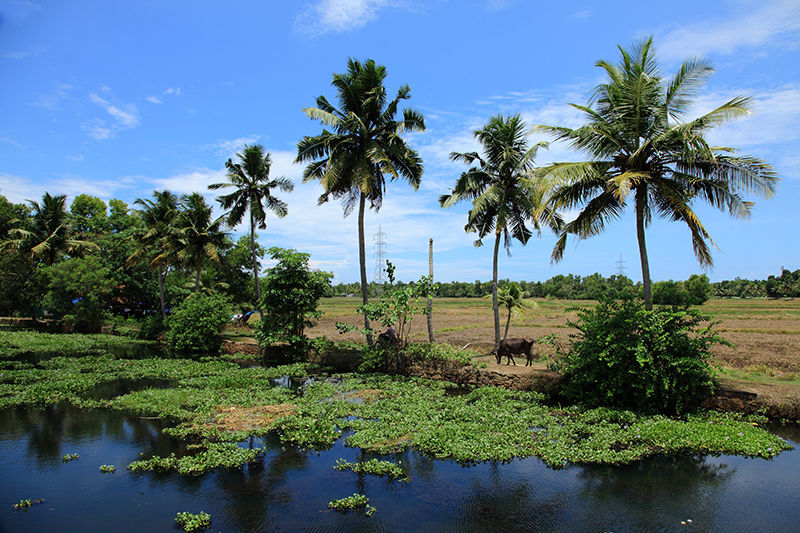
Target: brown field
765 333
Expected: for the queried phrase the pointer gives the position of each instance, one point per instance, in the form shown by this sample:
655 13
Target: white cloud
76 157
498 5
774 118
193 181
230 147
583 14
53 100
20 188
97 129
122 117
12 142
774 23
126 116
173 91
154 100
338 16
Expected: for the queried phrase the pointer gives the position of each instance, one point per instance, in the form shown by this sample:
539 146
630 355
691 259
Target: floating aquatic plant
356 502
108 469
374 467
24 505
193 522
70 457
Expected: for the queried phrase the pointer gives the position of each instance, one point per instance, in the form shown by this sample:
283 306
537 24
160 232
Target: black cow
508 347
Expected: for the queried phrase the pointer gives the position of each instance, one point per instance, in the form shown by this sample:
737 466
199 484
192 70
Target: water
288 490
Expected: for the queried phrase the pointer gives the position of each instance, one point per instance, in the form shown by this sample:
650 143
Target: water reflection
288 489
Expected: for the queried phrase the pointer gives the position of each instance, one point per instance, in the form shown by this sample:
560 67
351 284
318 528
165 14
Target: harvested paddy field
765 333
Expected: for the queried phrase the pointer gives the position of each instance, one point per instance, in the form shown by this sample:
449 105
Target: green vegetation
253 194
70 457
291 294
374 467
108 469
193 522
694 291
363 146
16 343
24 505
77 292
215 405
640 147
626 356
195 326
505 191
356 502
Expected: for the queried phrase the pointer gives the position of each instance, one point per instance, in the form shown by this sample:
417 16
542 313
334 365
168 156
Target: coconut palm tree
364 146
250 179
156 243
642 147
505 190
511 297
47 232
197 237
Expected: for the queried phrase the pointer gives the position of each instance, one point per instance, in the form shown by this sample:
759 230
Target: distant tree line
787 285
693 291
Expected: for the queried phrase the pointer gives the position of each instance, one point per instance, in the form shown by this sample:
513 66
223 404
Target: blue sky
118 99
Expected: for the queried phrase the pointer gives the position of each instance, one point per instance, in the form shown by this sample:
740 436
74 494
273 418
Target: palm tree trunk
255 262
430 300
197 276
495 307
508 323
161 292
362 260
641 198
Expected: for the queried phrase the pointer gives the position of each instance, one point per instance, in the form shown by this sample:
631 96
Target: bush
195 325
699 289
390 357
290 295
79 292
628 357
150 327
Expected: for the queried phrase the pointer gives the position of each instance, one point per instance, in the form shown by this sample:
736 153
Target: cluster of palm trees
183 230
638 143
637 140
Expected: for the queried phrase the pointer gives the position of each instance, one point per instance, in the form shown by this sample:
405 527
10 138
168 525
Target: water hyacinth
356 502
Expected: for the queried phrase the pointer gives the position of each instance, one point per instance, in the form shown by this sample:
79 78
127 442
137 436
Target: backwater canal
288 490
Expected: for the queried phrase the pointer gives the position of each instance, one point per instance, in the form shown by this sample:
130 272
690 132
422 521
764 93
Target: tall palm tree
156 244
47 232
505 190
198 237
364 147
640 146
250 178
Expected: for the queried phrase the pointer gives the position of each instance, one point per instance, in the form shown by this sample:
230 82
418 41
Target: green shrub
699 289
195 325
628 357
390 357
79 292
290 294
150 327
